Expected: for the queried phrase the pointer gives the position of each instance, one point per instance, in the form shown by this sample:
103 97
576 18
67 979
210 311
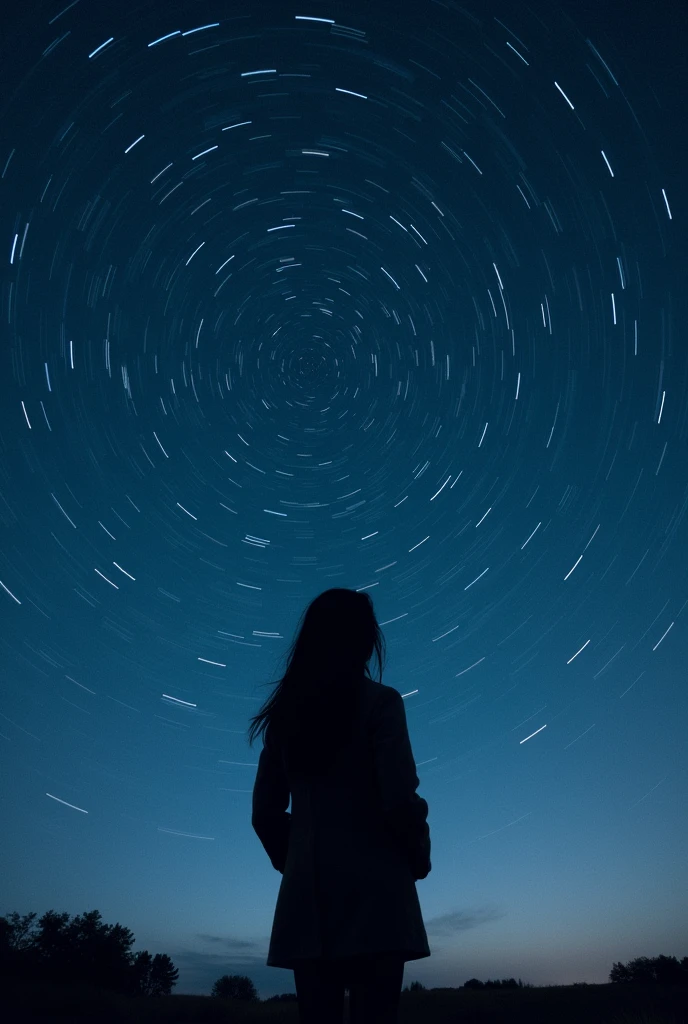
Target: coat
353 846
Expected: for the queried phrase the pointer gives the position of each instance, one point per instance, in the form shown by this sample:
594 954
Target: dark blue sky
300 296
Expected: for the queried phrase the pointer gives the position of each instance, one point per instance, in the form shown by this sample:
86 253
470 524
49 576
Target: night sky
347 294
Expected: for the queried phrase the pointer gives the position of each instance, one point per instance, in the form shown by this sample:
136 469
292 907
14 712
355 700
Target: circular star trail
333 295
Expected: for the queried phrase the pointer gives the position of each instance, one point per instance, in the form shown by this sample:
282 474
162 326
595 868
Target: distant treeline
656 970
58 950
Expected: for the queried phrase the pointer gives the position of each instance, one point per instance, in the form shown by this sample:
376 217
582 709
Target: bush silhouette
235 986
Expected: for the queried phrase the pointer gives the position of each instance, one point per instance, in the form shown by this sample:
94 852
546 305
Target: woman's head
338 630
337 636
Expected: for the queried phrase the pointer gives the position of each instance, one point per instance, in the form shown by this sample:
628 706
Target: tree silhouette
97 952
153 976
235 986
15 931
17 954
662 970
83 950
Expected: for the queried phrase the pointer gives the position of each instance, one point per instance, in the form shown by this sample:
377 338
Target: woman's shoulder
378 689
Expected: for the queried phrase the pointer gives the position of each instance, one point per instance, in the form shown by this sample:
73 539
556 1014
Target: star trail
389 297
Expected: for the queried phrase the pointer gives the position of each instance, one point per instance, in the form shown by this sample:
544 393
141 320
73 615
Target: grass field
587 1004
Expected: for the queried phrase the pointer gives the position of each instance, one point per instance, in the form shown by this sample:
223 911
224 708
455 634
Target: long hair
312 708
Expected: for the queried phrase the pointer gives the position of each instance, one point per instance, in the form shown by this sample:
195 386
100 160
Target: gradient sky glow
347 294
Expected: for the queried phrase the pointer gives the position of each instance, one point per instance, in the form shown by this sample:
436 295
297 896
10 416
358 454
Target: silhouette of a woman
357 838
